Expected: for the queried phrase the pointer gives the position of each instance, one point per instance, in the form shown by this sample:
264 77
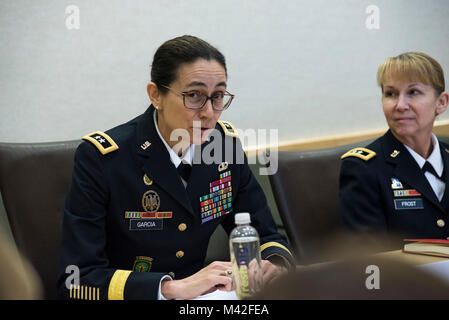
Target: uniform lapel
406 169
155 160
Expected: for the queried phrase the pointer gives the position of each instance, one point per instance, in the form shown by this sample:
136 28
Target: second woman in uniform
398 184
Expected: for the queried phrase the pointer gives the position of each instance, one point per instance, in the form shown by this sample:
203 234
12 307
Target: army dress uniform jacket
129 220
383 190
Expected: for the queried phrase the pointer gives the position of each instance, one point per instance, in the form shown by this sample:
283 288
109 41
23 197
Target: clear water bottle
245 256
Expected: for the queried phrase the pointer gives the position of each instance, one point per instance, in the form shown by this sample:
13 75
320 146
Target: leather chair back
305 187
34 179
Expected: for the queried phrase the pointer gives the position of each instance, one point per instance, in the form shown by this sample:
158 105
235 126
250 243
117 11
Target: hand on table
202 282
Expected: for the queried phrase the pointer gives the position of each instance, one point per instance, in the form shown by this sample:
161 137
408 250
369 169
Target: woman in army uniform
397 185
144 200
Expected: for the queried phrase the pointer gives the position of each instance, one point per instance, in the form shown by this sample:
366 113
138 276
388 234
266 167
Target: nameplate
145 224
407 204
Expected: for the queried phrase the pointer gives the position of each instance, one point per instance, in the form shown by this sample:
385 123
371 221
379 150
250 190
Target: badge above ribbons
151 201
396 184
219 201
151 218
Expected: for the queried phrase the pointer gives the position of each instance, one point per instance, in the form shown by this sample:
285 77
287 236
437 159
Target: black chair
34 179
305 187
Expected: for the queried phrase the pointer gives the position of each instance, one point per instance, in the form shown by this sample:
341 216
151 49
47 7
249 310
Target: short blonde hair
412 66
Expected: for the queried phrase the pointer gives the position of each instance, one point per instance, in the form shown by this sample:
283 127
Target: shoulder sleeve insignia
228 128
362 153
102 141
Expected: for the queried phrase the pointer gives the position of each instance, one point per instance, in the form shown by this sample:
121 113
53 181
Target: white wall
305 67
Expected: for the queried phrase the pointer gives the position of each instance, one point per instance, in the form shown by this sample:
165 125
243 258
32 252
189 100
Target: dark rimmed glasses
196 100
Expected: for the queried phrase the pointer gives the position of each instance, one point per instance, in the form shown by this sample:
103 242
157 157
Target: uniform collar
187 157
435 158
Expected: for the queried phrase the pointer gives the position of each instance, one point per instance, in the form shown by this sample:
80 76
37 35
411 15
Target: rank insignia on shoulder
228 128
362 153
102 141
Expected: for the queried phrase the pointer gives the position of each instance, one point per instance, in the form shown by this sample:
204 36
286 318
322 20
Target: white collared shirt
436 161
187 157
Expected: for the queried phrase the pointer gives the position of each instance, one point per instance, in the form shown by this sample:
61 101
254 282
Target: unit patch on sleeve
142 264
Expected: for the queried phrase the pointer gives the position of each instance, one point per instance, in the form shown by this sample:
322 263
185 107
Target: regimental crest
151 201
147 180
222 166
396 184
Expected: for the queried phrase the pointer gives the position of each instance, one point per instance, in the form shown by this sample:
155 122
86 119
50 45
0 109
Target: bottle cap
242 218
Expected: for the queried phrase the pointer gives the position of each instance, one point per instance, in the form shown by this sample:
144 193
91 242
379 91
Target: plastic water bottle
245 256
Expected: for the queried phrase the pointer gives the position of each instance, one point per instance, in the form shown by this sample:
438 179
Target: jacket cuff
129 285
275 248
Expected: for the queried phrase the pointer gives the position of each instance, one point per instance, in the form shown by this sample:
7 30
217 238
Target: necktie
184 170
428 167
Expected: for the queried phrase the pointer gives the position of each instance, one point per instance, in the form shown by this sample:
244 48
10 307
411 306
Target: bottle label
242 262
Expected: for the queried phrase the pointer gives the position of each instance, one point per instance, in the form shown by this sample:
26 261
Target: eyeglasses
196 100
